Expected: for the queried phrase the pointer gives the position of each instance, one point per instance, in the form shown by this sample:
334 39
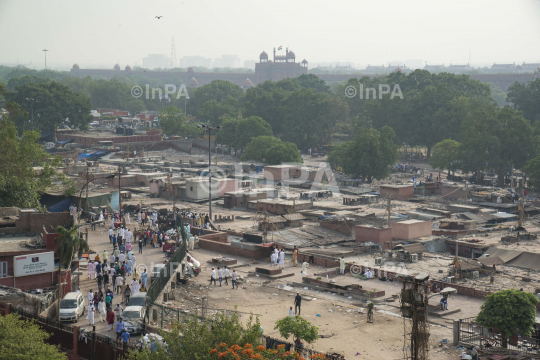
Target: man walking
220 275
297 302
111 233
140 244
295 255
226 275
342 266
144 277
118 284
291 312
213 277
233 278
119 327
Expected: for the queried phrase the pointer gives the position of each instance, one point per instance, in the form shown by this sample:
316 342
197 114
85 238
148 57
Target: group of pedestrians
223 274
278 258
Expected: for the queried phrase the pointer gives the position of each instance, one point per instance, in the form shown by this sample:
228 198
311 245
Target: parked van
72 306
137 299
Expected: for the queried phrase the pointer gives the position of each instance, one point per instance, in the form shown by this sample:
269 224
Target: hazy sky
363 32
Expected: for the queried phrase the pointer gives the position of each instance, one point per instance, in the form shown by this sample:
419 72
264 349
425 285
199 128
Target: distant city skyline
357 32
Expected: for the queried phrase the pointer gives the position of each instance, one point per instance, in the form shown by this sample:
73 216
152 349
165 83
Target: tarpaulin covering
94 200
526 260
504 254
63 142
60 206
94 155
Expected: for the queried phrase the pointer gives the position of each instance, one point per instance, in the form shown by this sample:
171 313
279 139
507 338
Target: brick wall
219 237
262 252
34 222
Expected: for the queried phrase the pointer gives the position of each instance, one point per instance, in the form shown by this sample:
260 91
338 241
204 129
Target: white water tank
499 200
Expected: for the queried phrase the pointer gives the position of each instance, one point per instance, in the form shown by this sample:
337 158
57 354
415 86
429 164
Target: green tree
68 244
53 104
217 90
114 94
25 340
171 120
249 128
445 155
498 94
198 337
214 112
312 81
298 327
533 170
526 98
26 170
282 152
257 148
368 155
227 134
511 311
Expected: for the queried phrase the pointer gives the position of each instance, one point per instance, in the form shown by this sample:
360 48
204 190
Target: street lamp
209 129
45 50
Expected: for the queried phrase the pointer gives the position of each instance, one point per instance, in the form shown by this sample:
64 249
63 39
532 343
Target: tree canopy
271 150
217 90
25 340
237 133
368 155
174 121
199 337
298 327
526 98
511 311
445 155
68 244
50 104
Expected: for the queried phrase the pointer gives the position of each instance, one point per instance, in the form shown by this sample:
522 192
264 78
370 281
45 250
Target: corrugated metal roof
292 217
490 261
526 260
503 254
414 248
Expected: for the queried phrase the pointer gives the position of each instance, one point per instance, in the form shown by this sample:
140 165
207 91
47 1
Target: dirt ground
339 317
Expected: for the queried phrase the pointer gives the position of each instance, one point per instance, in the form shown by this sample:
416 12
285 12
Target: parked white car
49 145
72 306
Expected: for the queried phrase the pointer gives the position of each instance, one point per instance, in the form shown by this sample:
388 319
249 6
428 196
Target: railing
472 333
159 283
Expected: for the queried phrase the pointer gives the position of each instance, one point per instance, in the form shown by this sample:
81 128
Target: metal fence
159 283
472 333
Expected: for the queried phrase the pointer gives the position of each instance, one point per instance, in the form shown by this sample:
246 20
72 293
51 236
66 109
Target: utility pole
208 129
45 50
87 182
119 193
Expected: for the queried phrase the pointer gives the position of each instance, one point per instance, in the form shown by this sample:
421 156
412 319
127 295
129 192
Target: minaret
274 54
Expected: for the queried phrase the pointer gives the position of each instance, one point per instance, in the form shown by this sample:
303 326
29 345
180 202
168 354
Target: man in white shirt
273 259
90 297
282 259
220 275
128 235
118 284
226 275
342 265
213 277
291 312
120 234
368 274
111 233
233 278
304 268
121 258
113 259
133 259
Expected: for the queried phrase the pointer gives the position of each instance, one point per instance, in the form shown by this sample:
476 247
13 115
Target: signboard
33 264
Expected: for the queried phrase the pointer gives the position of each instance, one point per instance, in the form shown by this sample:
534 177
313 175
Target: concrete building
282 172
410 229
397 191
383 236
197 188
155 61
242 197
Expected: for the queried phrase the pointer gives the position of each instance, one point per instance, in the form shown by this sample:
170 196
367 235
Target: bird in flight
159 17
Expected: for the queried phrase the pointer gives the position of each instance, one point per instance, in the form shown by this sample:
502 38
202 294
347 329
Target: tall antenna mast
173 54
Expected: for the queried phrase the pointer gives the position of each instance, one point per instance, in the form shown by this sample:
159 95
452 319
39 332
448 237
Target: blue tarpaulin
63 142
61 206
91 155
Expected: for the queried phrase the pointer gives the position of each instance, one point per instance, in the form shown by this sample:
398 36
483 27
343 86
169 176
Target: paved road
98 241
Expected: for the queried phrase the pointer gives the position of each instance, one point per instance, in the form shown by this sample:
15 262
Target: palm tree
68 243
